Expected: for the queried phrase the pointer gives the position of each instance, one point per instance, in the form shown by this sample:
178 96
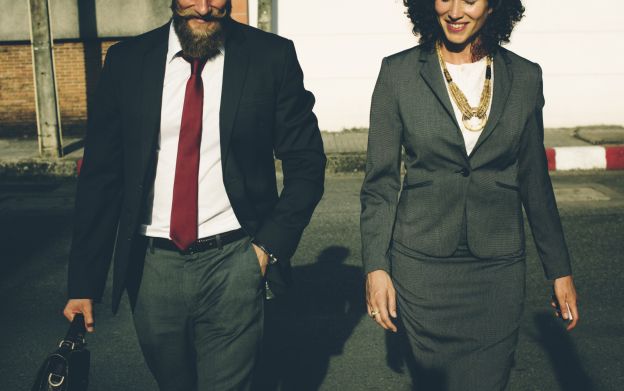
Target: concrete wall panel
115 18
340 46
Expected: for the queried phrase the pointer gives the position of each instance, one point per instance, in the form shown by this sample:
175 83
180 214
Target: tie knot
197 64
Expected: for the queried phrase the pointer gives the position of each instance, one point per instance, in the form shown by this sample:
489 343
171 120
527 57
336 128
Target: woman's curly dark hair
497 29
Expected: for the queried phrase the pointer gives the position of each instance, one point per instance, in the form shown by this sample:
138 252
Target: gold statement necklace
473 118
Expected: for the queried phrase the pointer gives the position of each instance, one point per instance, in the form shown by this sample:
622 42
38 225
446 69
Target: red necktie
183 229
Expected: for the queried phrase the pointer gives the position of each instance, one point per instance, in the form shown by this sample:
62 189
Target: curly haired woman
444 251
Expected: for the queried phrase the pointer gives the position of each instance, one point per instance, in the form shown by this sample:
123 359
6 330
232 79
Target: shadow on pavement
553 338
23 236
562 353
33 242
309 326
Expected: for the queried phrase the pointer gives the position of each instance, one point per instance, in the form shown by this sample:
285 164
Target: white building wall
578 44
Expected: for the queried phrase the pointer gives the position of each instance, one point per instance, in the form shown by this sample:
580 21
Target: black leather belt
200 245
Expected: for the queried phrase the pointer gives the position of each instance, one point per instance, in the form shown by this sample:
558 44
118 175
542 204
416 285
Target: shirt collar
174 48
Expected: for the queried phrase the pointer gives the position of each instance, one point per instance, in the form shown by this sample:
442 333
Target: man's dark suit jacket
444 187
265 113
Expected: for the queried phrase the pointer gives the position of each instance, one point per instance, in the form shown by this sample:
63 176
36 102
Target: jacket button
465 172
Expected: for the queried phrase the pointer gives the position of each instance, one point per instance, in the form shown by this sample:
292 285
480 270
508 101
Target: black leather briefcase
67 368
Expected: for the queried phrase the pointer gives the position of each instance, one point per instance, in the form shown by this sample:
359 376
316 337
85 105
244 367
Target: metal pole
48 118
265 13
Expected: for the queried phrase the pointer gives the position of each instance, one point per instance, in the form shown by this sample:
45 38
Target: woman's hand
565 292
381 299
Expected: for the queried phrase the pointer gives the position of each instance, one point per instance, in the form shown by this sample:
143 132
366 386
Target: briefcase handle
76 333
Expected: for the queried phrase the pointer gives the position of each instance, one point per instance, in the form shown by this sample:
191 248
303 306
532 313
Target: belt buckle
192 249
199 246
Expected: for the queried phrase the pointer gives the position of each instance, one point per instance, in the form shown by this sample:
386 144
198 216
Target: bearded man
179 180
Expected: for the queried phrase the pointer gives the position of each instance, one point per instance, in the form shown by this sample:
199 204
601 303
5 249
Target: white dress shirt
470 79
215 214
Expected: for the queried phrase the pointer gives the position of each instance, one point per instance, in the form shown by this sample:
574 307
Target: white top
470 79
215 214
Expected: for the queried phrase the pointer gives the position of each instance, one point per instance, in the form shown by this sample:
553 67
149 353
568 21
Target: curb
559 159
39 169
586 158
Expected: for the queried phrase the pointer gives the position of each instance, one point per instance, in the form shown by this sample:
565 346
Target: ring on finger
374 313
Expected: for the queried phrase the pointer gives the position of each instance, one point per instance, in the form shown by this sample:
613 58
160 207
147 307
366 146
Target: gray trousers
199 317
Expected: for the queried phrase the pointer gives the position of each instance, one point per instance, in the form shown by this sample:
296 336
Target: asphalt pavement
319 337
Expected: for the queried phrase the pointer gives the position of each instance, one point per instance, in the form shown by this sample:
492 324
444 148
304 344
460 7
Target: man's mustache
214 14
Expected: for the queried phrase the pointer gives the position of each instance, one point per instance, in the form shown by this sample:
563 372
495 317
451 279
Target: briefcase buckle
55 383
73 345
70 344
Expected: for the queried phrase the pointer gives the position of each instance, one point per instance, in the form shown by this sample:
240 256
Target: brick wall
17 96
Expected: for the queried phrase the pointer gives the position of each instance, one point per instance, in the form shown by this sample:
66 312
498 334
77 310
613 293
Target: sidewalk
587 148
19 158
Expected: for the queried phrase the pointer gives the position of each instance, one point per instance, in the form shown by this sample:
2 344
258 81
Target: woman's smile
456 27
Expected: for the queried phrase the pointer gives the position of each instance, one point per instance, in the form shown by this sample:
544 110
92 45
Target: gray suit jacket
411 111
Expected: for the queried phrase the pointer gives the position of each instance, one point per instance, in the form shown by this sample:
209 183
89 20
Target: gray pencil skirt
461 316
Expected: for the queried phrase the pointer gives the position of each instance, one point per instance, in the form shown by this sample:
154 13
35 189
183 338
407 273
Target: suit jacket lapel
154 62
432 74
502 86
234 74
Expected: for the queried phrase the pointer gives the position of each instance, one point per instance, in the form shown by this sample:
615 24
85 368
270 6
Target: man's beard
200 44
